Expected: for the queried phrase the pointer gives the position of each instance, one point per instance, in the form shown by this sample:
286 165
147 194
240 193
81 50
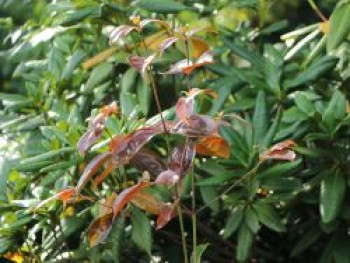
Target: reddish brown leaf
147 160
166 215
148 203
181 158
213 146
140 64
167 43
168 177
185 106
119 32
132 143
100 228
126 195
96 128
92 168
280 151
63 195
107 206
196 126
199 46
105 173
204 59
178 67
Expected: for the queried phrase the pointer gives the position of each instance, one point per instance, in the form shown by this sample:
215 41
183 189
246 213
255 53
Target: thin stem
194 218
188 64
317 10
252 171
182 228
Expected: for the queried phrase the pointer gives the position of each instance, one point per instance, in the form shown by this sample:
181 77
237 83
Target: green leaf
335 110
233 221
273 129
332 194
128 80
307 240
115 238
127 103
260 118
279 170
73 62
245 242
317 69
208 194
162 6
251 219
199 252
253 58
304 104
73 16
98 75
42 157
144 95
141 231
4 173
269 217
339 26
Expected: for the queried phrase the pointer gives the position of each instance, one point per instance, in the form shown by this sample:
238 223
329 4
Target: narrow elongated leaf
63 195
260 118
333 187
339 27
98 74
245 242
200 249
4 173
162 6
126 196
233 221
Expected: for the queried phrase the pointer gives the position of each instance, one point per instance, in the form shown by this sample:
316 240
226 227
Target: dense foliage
175 131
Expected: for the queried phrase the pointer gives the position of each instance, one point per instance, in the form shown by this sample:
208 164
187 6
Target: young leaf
149 203
199 252
91 169
166 215
148 160
213 146
141 64
280 151
99 229
63 195
196 126
126 196
117 33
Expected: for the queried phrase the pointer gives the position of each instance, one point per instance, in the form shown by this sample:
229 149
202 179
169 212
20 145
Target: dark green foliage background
284 212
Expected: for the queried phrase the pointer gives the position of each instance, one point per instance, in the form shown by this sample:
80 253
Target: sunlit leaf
63 195
213 146
167 43
117 33
280 151
148 203
126 196
100 228
168 177
91 169
141 64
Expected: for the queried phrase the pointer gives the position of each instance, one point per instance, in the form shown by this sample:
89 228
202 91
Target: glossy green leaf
251 219
269 217
332 194
73 62
339 28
